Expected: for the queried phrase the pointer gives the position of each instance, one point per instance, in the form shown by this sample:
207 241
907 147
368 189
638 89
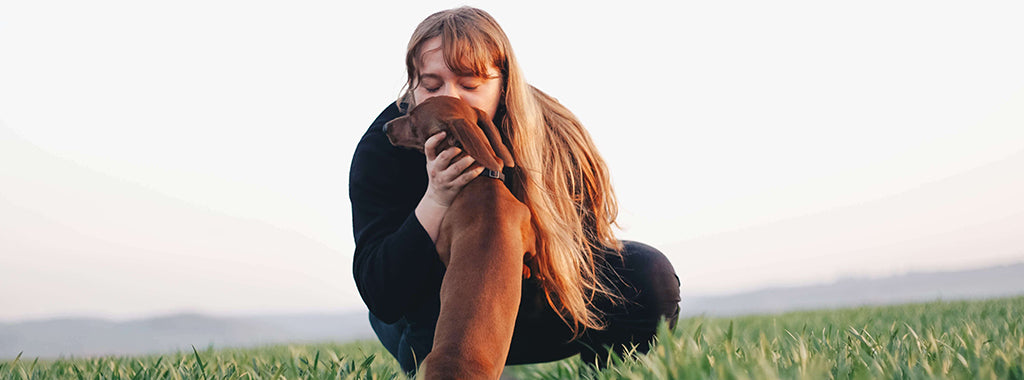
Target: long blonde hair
559 174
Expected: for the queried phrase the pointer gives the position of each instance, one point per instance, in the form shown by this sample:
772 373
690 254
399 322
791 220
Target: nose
386 126
448 90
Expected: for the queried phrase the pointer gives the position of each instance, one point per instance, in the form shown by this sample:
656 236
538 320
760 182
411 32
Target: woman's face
436 79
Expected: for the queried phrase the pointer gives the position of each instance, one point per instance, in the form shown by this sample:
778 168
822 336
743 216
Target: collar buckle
493 174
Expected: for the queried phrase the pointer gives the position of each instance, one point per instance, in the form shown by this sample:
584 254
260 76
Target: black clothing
643 276
398 272
396 266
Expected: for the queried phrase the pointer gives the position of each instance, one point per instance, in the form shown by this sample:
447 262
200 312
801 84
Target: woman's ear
494 138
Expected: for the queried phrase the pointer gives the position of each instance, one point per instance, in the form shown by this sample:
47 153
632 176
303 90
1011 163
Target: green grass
957 340
359 360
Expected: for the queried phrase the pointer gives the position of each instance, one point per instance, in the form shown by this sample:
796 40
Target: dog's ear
474 143
494 137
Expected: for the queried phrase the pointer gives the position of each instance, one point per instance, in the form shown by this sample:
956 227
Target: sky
193 156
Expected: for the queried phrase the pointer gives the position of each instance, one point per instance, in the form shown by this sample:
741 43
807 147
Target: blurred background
182 168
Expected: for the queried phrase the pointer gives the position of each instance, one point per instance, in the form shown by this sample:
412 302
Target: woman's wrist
430 213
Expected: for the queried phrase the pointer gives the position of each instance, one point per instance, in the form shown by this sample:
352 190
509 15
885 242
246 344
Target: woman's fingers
447 171
462 164
444 159
468 176
430 146
448 177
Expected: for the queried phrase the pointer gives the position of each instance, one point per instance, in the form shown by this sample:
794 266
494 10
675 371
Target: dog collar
493 174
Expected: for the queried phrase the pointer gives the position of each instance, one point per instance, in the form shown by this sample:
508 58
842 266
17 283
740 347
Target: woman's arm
395 263
446 178
397 209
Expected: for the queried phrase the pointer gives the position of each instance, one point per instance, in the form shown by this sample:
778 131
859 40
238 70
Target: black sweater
396 267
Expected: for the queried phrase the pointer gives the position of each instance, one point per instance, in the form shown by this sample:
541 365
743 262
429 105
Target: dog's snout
386 126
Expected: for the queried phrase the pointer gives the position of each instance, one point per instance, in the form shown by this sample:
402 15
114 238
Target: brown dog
485 236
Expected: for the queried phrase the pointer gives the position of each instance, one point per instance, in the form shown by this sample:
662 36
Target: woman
596 291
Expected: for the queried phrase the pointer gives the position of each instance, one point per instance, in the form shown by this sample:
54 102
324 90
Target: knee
650 280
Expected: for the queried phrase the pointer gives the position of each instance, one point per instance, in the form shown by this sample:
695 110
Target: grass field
957 340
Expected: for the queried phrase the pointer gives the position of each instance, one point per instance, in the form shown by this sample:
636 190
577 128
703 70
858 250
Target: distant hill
971 219
912 287
93 337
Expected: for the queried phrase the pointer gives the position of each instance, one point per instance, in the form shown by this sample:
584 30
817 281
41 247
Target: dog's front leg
480 293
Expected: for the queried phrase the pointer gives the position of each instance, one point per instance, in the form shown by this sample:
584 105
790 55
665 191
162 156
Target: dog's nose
386 125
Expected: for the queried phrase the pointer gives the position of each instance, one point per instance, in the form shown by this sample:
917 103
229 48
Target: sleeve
395 264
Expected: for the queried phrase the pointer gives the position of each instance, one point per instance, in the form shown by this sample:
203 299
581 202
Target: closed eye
471 83
431 82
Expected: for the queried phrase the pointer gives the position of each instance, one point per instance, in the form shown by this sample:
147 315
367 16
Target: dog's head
467 127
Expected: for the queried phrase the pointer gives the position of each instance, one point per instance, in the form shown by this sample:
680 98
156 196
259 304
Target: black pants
643 276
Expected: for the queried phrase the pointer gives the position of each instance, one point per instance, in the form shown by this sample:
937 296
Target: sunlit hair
559 174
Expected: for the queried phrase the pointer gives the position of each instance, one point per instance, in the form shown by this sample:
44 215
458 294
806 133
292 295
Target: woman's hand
445 179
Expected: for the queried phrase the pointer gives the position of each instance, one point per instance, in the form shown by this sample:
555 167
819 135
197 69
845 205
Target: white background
193 156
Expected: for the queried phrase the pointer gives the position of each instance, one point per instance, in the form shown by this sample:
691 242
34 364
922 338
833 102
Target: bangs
471 52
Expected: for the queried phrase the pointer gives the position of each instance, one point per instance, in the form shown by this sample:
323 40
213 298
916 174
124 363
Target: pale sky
194 155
